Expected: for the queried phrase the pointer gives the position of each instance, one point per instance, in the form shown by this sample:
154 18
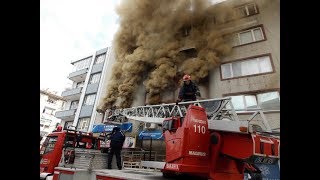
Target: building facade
87 78
49 104
251 73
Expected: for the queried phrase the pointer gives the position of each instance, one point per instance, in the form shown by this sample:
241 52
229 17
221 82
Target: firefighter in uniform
117 139
189 90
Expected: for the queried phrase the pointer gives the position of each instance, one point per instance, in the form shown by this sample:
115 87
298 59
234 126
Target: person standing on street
117 139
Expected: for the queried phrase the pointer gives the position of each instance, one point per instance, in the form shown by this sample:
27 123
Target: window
247 67
74 104
49 100
100 58
247 10
248 36
83 124
80 84
265 100
89 99
47 110
82 64
49 143
269 100
94 78
67 124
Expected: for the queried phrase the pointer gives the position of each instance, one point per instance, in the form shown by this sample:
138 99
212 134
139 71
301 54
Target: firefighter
189 90
58 128
117 139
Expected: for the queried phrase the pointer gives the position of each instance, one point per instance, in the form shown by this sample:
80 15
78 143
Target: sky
71 30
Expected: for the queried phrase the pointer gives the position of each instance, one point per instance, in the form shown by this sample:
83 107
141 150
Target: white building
81 98
49 104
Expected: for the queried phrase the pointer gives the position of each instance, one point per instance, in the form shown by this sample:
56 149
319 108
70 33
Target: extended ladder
220 116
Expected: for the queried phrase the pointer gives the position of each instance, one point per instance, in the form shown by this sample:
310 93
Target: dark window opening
190 52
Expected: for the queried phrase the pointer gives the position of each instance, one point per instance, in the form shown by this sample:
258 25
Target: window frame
87 123
71 104
51 101
48 108
247 59
91 77
236 33
96 58
235 9
66 124
82 64
80 84
255 93
247 10
85 99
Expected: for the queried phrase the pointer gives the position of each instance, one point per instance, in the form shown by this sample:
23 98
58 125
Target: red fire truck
62 143
207 140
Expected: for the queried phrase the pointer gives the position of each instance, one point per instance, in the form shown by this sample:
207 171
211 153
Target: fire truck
207 139
204 139
61 147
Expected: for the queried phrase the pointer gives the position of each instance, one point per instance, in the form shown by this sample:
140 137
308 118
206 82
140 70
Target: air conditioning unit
150 125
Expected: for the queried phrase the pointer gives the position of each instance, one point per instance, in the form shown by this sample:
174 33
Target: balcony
66 115
79 75
72 94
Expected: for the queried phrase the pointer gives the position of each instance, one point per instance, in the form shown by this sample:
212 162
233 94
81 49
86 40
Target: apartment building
50 102
87 79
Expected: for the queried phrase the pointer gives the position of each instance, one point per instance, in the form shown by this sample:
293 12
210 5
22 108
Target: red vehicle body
191 148
52 148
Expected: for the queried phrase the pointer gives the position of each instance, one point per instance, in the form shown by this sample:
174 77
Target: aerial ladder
220 116
206 138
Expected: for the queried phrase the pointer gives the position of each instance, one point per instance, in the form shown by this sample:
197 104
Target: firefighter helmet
186 77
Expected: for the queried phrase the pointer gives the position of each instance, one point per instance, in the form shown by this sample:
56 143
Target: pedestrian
189 90
117 139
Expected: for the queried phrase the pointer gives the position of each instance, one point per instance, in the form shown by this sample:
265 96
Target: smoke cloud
159 41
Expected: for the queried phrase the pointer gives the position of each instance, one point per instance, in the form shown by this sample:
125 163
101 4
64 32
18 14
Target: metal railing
216 110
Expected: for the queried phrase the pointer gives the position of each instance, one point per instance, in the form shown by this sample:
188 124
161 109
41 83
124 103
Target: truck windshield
50 143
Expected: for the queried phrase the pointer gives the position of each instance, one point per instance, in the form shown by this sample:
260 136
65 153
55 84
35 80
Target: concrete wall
86 111
97 68
269 17
110 59
102 85
92 88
